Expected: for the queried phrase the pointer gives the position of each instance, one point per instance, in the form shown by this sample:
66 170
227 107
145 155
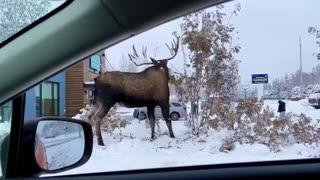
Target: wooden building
84 71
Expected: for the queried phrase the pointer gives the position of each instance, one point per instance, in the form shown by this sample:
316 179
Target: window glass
244 71
5 122
95 64
15 16
38 101
176 104
47 99
6 112
55 97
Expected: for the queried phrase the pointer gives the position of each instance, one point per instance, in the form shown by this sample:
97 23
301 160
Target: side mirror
54 144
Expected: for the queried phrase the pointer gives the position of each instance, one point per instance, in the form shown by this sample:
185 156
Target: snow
134 149
64 154
78 116
4 130
61 138
296 107
89 82
315 95
124 110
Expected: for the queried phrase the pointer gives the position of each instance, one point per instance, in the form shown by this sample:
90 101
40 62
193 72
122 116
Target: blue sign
95 63
259 78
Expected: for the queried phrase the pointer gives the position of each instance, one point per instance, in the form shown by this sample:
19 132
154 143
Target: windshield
16 15
241 71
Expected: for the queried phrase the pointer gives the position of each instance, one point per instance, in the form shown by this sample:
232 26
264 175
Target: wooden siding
74 89
75 93
89 76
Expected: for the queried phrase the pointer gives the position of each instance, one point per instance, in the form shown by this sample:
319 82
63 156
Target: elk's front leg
151 118
100 113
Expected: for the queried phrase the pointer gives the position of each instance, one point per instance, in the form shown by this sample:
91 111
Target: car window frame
18 109
20 100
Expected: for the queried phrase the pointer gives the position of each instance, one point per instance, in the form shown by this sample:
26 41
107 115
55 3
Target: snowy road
65 153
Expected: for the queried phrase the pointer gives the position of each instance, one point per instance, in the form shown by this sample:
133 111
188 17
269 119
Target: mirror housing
28 165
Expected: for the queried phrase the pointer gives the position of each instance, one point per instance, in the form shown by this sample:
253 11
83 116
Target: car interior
74 31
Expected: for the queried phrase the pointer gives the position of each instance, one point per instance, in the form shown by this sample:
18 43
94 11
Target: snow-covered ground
65 154
4 130
126 111
296 107
63 137
134 150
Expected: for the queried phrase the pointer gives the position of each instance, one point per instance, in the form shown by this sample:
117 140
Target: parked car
314 100
296 98
80 28
40 153
177 110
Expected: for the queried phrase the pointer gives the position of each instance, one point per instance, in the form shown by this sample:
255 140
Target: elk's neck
157 73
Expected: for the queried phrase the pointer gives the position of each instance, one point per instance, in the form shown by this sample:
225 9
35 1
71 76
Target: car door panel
302 169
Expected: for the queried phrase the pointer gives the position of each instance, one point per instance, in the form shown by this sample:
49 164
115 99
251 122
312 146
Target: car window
176 104
5 122
244 70
14 16
314 95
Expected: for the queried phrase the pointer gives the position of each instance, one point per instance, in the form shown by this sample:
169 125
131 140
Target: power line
177 70
110 65
106 59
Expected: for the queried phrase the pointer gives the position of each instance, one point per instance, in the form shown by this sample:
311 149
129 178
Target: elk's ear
153 60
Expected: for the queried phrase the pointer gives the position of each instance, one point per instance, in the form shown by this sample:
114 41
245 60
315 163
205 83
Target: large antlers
135 55
173 50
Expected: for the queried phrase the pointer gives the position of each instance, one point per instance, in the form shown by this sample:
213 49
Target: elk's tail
95 93
94 102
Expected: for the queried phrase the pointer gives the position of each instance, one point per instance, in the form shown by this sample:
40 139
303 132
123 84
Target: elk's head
160 64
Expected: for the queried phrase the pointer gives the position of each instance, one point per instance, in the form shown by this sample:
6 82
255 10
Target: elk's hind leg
151 118
99 114
165 114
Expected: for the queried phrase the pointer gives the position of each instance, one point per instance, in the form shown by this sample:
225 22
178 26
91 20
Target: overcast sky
269 33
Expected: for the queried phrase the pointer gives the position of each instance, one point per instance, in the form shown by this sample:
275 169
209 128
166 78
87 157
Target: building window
47 99
6 112
95 64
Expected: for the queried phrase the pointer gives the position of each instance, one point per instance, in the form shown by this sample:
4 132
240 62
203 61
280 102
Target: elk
148 88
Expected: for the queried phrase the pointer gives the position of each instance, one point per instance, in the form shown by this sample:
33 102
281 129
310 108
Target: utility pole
245 94
300 67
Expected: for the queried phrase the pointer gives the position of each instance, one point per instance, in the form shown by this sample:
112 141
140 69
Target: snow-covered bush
109 123
253 124
112 121
249 108
84 114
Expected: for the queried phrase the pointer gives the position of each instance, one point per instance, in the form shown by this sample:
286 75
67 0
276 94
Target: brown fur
147 88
